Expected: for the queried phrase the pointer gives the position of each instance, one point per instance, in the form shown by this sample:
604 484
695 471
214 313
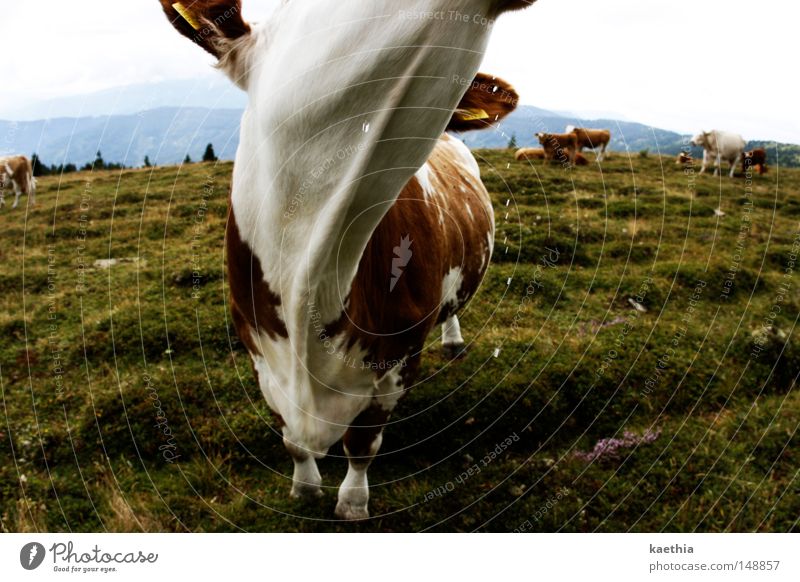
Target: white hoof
351 512
306 491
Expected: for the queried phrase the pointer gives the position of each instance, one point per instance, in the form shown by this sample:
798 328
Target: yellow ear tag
187 15
472 114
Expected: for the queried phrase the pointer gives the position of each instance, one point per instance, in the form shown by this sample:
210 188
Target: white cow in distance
720 145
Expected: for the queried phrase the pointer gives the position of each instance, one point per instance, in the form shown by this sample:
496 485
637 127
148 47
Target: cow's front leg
705 162
361 443
306 480
717 165
734 163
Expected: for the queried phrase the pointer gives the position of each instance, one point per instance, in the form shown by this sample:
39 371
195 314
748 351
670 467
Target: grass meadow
632 363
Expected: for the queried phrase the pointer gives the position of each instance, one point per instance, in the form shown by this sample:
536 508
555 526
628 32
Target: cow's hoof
350 512
454 351
306 491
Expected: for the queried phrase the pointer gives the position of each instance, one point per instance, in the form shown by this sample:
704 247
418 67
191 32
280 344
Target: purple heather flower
612 447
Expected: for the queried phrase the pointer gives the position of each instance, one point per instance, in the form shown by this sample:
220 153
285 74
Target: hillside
637 350
167 134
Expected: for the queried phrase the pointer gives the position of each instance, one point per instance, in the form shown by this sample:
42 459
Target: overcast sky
726 64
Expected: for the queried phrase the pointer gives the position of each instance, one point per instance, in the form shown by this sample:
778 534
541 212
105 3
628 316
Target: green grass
83 449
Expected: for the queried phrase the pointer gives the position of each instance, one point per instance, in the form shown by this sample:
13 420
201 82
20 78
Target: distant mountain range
167 134
626 136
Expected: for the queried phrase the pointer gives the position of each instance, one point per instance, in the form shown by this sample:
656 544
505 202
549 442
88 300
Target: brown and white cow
529 154
592 139
559 147
17 171
756 158
684 158
355 226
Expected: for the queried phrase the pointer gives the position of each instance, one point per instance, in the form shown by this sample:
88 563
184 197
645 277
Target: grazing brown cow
17 170
529 154
592 139
757 158
683 159
559 147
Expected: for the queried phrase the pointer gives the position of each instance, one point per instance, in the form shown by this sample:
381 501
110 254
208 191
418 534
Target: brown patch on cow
487 100
391 324
254 305
218 20
362 432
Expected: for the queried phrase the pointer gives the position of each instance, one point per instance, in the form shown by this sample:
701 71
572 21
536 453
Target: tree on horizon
209 155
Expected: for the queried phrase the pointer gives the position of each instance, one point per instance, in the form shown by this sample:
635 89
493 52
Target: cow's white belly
319 395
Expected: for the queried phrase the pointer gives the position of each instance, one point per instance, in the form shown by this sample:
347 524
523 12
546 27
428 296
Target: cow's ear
212 24
218 27
487 100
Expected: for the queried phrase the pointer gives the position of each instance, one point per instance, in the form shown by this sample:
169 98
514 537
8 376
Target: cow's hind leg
31 190
361 443
452 343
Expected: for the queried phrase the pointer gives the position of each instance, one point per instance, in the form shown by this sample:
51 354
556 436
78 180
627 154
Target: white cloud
681 65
